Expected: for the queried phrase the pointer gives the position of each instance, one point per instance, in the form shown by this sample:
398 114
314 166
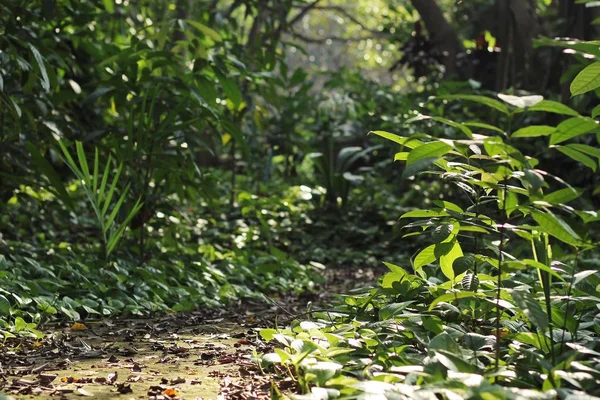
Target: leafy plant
102 196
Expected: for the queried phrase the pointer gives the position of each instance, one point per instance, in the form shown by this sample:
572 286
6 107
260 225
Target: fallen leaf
170 392
78 326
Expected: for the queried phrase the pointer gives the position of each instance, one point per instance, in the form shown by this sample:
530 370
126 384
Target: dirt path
201 355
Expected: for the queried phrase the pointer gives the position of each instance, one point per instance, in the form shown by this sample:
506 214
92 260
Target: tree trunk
442 35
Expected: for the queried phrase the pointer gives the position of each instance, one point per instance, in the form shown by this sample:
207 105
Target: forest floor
206 354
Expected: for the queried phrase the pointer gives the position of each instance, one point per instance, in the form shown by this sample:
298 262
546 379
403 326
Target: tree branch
302 13
309 39
345 13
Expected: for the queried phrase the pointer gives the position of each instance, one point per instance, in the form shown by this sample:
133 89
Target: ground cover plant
190 198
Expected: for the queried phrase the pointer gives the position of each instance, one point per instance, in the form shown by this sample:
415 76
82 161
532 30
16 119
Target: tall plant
514 215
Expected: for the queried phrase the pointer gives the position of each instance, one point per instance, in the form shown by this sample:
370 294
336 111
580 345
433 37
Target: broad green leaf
42 67
427 151
444 342
556 227
425 256
453 362
448 297
534 131
539 341
521 101
563 196
587 80
404 141
4 306
554 107
267 334
418 166
441 233
323 371
542 267
396 274
571 128
578 156
584 148
447 260
46 168
582 275
401 156
531 308
391 310
596 111
447 205
492 103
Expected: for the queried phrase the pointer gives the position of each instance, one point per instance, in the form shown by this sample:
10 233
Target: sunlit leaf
587 80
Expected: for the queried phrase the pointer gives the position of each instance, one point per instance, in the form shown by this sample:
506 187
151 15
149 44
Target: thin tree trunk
442 35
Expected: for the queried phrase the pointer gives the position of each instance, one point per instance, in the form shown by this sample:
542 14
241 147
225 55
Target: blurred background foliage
239 127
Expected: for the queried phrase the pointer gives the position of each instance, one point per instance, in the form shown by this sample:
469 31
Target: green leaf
571 128
424 214
482 125
391 310
578 156
534 340
231 89
441 233
534 131
20 324
556 227
404 141
46 168
521 101
453 362
596 111
447 260
554 107
83 163
453 296
211 33
396 274
563 196
109 5
584 148
428 150
542 267
267 334
531 308
457 125
492 103
587 80
418 166
40 63
425 256
4 306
